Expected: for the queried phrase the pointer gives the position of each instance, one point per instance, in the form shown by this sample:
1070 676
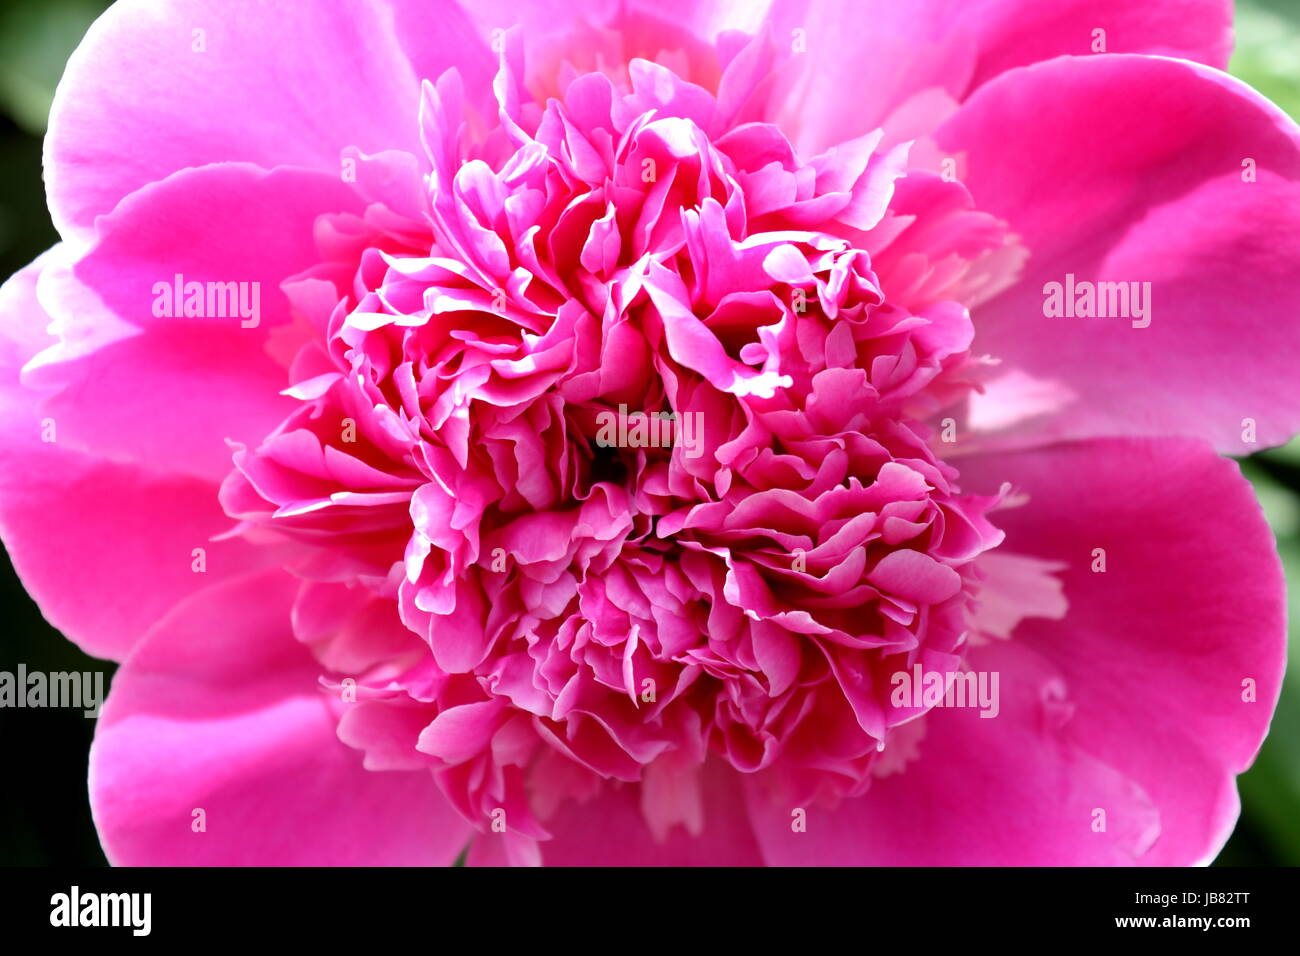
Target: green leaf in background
36 38
1288 454
1268 50
1270 792
1280 502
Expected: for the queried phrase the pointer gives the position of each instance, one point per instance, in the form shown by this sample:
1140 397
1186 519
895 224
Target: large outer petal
1126 168
168 392
104 548
1131 704
862 60
1015 33
220 709
276 84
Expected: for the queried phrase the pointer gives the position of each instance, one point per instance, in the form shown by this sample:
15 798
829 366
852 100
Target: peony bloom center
623 455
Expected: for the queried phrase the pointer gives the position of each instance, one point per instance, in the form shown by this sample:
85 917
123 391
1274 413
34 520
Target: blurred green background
44 817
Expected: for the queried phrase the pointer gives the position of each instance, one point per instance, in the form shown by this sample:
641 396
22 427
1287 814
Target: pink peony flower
667 432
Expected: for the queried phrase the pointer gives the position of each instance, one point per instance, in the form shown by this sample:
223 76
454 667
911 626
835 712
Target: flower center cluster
616 450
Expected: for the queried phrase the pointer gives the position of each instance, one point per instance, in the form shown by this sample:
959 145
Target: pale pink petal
858 63
168 391
220 710
72 522
160 86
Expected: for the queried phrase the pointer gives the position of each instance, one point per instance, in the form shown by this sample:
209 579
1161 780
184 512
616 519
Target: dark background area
44 814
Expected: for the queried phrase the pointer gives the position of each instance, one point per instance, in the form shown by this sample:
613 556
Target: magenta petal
1013 33
1155 650
1159 195
219 709
915 576
1002 791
